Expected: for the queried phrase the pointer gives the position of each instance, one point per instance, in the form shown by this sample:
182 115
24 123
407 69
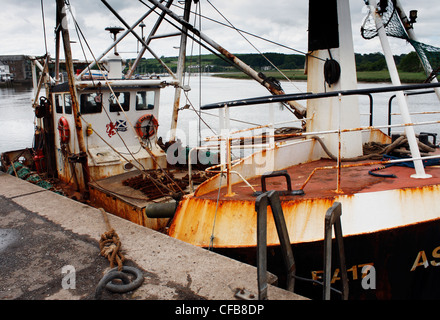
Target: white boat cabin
112 120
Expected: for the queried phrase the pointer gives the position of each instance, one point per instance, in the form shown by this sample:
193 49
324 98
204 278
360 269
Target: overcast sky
283 21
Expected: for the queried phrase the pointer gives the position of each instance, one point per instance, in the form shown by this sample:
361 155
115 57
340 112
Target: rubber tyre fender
108 277
122 288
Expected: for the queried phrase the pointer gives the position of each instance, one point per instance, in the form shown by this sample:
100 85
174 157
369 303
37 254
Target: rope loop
332 71
110 247
110 244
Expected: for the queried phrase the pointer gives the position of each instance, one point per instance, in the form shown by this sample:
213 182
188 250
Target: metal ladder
332 219
263 200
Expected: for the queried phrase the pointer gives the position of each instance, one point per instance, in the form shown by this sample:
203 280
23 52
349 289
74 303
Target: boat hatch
102 156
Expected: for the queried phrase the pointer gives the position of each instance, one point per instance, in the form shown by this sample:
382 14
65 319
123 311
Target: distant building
4 73
19 67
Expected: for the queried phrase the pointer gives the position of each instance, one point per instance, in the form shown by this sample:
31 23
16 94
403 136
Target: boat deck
116 187
354 178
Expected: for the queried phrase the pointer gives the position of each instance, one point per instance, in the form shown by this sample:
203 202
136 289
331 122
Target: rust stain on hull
232 223
370 204
126 211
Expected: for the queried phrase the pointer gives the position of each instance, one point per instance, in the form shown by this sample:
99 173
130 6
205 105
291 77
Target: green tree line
376 62
212 63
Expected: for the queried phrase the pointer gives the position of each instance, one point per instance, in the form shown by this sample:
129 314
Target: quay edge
174 270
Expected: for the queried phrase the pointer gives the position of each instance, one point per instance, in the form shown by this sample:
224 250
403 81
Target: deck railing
225 140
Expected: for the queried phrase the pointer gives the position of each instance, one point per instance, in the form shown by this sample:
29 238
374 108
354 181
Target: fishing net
429 55
14 167
390 20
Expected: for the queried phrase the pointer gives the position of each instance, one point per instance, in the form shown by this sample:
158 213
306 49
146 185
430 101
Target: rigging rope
110 244
110 248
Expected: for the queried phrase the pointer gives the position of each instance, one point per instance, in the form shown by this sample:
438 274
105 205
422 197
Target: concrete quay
44 236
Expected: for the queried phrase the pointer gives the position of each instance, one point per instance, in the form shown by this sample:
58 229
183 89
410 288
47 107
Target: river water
17 117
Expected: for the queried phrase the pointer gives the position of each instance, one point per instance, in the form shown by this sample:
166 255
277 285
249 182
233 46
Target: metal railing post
261 208
333 218
261 203
283 235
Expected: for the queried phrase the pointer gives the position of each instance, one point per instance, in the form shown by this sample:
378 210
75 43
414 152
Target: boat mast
330 46
403 104
300 111
180 69
147 41
62 24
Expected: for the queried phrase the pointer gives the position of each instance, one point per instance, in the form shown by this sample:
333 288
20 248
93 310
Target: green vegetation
213 63
371 67
384 76
296 74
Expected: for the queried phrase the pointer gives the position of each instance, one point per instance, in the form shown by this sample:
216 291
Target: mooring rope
110 244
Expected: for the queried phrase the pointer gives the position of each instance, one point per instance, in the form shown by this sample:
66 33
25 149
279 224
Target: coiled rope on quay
110 248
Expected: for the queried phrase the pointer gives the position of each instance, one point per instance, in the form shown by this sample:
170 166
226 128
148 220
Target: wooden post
73 93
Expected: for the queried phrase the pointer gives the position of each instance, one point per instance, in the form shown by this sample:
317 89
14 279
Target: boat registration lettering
359 271
422 259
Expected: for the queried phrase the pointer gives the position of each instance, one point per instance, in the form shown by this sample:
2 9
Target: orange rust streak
236 222
235 217
361 164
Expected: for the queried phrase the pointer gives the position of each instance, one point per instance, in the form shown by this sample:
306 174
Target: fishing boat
97 137
330 171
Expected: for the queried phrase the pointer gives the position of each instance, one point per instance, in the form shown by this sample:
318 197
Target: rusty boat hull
405 262
390 224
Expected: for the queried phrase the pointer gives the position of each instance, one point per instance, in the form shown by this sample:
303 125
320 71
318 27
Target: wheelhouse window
67 104
124 101
144 100
91 103
58 103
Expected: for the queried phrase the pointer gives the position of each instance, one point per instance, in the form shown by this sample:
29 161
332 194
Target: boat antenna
114 31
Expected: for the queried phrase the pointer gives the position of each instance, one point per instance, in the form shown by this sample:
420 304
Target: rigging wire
211 239
263 55
256 36
210 49
198 113
200 74
192 37
248 41
241 33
